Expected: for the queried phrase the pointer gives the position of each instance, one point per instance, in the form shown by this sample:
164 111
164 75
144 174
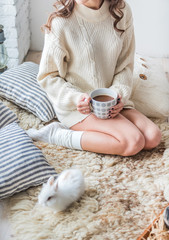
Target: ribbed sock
56 133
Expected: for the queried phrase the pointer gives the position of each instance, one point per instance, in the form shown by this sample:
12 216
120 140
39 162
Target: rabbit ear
56 185
51 180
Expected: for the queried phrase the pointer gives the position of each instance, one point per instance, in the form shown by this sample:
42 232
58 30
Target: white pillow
151 88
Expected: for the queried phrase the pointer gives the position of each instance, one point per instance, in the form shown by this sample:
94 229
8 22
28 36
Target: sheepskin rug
122 197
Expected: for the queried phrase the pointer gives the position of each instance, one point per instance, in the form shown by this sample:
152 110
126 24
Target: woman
89 44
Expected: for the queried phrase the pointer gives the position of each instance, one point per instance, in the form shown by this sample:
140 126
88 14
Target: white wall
151 20
39 12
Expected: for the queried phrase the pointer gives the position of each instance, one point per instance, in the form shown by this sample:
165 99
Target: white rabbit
60 193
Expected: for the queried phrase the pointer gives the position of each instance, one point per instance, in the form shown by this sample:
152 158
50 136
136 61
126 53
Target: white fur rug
121 198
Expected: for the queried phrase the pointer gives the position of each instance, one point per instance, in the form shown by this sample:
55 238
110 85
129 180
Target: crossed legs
126 134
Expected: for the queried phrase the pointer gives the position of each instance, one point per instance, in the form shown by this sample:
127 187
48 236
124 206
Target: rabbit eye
49 198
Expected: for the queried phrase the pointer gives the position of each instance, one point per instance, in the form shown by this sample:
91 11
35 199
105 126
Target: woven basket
156 230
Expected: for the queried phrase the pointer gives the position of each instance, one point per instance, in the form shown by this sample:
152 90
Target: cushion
151 88
22 164
6 116
19 85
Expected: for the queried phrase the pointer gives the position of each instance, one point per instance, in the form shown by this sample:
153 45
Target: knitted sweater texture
84 52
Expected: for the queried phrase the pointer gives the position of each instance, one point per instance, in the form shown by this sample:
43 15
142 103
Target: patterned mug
102 101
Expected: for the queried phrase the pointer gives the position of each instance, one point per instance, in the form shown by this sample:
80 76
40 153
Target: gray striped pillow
22 164
19 85
6 116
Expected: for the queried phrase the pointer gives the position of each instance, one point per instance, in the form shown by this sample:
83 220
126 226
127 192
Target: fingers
112 114
116 109
83 105
84 111
85 98
120 105
119 98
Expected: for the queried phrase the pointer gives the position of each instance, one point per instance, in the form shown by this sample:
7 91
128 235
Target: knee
134 144
152 138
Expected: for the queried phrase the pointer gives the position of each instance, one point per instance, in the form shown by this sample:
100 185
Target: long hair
64 8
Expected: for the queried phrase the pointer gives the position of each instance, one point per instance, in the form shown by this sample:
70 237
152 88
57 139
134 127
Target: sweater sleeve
52 75
123 78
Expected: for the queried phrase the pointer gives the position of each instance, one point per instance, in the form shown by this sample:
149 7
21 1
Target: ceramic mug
102 101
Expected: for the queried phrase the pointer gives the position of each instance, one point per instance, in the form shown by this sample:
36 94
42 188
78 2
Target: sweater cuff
76 97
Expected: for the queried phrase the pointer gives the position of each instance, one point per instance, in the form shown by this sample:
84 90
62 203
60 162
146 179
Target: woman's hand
117 108
83 105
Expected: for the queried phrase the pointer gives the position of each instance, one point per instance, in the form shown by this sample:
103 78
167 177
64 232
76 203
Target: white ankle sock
56 133
44 134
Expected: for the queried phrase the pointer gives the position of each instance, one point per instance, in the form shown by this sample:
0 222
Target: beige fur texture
121 198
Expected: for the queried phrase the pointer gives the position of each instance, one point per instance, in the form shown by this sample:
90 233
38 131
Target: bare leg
111 136
150 131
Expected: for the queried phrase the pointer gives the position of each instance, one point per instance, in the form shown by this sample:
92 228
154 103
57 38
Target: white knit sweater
83 53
